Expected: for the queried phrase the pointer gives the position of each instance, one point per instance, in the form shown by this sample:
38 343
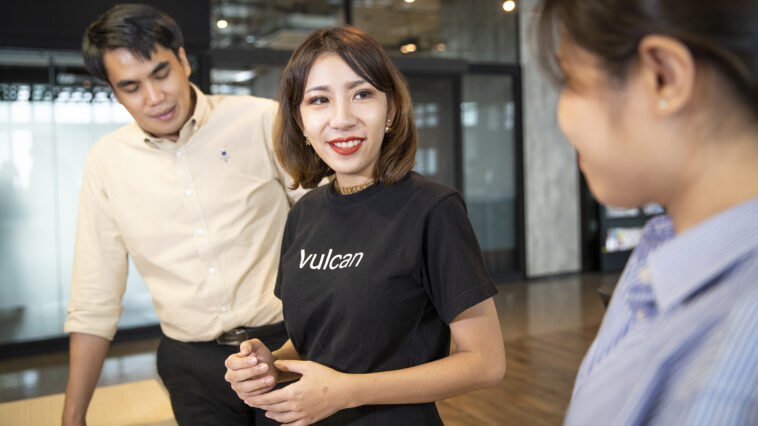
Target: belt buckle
233 337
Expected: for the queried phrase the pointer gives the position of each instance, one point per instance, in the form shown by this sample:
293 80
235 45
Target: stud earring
388 127
307 141
663 104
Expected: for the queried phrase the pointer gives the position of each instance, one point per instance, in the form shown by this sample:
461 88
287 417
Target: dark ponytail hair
721 33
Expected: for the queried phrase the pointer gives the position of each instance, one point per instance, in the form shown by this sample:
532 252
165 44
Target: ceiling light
222 23
408 48
509 5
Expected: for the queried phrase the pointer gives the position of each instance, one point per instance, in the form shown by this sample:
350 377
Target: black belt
238 335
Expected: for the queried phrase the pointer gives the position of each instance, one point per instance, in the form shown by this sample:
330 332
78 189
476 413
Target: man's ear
183 60
669 71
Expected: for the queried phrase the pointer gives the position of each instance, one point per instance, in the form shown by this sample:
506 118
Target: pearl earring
663 104
387 128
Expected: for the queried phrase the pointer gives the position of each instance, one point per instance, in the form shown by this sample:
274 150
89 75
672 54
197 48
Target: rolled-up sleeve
101 264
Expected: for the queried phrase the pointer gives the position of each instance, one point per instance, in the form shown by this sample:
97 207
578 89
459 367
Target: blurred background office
486 121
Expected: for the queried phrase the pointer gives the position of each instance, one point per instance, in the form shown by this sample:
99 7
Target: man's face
156 92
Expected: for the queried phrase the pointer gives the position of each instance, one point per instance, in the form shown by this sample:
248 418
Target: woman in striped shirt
660 100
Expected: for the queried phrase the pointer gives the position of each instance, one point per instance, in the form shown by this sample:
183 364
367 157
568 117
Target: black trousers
194 372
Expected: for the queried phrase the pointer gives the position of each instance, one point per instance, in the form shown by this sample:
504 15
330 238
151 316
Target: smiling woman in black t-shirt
379 268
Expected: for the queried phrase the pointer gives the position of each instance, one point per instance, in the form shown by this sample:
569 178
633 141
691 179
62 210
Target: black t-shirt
370 281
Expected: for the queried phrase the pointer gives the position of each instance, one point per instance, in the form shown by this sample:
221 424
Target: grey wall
551 178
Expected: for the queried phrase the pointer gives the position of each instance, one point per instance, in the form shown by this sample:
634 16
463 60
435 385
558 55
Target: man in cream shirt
191 190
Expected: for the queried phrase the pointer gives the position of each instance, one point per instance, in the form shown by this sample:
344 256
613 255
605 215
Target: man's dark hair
136 27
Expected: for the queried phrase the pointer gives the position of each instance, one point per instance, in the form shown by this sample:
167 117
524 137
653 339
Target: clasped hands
319 392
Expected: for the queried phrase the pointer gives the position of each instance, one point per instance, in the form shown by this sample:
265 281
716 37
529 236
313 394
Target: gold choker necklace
352 189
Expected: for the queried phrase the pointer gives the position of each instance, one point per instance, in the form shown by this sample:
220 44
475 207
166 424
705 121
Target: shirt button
211 270
224 308
645 276
640 314
188 192
200 231
178 153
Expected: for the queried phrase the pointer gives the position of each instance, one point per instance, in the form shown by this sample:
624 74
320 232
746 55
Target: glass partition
258 80
474 30
433 104
488 119
277 24
45 133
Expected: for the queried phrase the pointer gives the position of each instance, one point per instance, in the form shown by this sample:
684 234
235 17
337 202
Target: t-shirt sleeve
456 277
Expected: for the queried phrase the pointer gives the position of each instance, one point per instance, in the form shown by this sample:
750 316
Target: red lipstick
346 146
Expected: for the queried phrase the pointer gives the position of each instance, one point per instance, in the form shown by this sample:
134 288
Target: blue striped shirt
679 342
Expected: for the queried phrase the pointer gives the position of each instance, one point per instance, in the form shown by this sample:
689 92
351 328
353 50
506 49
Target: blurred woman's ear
669 72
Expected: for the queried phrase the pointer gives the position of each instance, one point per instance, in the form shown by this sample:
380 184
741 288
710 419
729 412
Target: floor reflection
547 326
533 308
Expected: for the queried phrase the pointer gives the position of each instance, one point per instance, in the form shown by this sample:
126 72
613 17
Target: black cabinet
619 231
610 234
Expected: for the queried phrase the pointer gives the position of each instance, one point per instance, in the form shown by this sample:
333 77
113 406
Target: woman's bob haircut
367 58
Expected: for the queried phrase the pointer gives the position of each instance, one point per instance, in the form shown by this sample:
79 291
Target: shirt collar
691 260
198 119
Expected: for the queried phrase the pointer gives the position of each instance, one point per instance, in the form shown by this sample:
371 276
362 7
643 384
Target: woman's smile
346 146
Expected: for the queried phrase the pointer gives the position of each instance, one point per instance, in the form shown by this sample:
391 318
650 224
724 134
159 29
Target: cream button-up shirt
202 219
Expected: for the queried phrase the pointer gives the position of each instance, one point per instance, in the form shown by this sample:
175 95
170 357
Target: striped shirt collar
686 263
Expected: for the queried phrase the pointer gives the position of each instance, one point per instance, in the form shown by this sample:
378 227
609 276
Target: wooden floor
536 390
547 327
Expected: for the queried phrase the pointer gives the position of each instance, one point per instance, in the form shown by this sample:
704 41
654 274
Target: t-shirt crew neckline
335 197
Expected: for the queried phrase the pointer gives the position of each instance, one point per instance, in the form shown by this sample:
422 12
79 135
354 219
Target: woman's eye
363 94
317 100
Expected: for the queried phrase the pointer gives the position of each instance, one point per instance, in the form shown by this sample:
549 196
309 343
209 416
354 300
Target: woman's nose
343 116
